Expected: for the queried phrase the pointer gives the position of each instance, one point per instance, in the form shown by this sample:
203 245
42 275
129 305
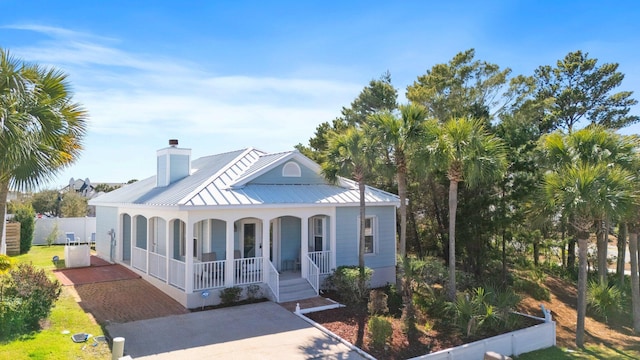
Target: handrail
322 259
313 275
274 281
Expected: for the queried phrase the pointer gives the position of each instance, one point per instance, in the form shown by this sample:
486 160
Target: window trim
291 169
374 234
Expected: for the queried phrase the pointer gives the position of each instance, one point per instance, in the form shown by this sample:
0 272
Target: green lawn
588 353
67 318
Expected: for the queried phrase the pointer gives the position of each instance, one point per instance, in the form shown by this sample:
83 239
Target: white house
240 218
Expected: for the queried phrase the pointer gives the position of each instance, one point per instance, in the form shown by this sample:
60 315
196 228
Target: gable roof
225 180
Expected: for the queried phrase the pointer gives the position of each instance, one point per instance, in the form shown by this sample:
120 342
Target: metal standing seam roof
211 184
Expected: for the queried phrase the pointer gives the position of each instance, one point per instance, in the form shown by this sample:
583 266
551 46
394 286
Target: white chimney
174 164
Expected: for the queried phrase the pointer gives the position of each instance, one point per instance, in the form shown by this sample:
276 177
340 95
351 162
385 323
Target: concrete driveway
257 331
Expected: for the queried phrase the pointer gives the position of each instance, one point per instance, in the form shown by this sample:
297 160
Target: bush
25 215
27 296
603 299
53 235
253 292
230 295
380 330
484 310
5 263
378 302
346 280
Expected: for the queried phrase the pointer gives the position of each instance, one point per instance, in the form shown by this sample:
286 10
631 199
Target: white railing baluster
274 281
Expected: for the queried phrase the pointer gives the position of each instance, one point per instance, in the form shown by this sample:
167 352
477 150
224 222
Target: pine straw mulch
350 323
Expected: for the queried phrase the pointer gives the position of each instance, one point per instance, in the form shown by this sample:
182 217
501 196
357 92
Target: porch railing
274 281
209 274
177 273
248 270
322 259
139 259
158 266
313 274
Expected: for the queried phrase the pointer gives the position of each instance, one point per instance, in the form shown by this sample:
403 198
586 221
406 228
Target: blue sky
225 75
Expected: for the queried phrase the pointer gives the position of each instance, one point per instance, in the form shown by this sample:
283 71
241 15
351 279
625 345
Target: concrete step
295 289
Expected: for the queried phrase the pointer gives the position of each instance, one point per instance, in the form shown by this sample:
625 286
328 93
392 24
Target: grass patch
50 342
590 352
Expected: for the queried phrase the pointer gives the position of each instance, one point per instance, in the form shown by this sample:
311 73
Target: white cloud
146 97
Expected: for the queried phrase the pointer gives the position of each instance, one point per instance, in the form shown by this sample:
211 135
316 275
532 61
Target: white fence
82 227
533 338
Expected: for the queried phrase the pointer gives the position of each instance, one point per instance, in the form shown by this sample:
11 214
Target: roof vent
173 142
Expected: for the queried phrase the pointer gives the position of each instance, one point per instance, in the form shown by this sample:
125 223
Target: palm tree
582 191
595 145
467 153
352 153
41 128
398 135
635 285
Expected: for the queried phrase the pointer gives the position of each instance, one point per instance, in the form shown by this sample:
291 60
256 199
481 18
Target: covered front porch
227 252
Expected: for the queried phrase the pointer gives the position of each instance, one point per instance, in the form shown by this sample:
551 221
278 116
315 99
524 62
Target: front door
251 245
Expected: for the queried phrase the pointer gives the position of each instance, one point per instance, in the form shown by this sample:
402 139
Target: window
318 234
291 169
369 235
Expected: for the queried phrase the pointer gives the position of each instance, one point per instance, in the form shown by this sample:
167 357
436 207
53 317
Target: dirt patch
563 309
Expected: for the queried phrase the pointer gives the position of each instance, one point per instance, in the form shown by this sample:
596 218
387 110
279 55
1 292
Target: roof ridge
217 174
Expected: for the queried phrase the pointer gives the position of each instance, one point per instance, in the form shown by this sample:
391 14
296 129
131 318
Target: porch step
295 289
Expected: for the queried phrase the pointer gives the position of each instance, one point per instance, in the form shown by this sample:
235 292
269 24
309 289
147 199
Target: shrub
53 235
5 263
253 292
603 299
230 295
378 302
25 215
484 311
27 296
380 330
346 280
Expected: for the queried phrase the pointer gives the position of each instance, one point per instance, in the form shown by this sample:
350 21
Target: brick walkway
115 294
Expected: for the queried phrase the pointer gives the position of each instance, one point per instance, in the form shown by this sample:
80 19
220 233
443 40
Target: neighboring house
241 218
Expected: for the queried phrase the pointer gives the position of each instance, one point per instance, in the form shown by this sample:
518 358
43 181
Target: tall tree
578 89
353 154
467 153
595 145
464 87
41 128
379 95
582 191
398 135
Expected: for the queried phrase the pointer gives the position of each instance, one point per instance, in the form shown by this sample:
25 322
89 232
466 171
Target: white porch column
304 245
265 245
188 258
333 240
146 270
167 251
228 265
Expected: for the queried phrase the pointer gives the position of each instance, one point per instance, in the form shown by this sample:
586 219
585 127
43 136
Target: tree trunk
583 238
622 249
504 256
453 205
536 253
4 191
603 242
635 286
402 193
571 254
361 239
